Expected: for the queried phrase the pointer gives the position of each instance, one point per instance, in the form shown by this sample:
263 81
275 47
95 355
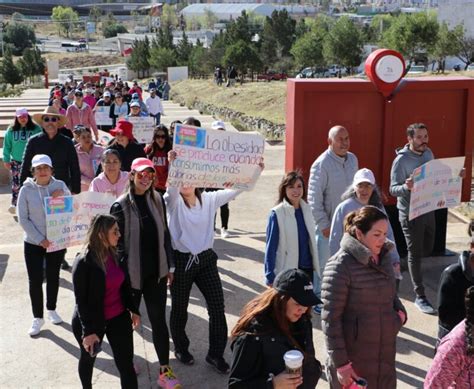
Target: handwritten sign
437 185
102 116
215 159
68 217
143 127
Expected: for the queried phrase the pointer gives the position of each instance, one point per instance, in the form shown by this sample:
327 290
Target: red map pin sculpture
385 68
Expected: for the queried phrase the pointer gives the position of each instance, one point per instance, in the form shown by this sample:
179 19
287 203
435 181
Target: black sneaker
184 357
65 265
219 364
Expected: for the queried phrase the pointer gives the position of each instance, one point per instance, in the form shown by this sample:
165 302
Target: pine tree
10 73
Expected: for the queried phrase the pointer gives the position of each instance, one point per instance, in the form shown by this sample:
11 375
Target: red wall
377 127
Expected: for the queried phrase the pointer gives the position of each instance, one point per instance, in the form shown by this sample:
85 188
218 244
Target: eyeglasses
160 137
149 175
51 119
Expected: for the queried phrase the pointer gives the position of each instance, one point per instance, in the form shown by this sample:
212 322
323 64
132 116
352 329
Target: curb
457 215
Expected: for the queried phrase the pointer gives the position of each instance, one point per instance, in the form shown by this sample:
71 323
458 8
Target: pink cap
21 112
140 164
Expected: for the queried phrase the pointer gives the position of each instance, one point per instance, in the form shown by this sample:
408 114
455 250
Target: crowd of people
329 250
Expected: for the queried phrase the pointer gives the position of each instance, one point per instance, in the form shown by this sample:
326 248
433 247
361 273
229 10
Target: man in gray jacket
419 232
331 174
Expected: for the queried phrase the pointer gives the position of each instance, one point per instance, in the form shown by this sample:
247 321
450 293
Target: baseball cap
363 175
135 96
21 112
217 125
140 164
135 104
295 283
107 94
41 159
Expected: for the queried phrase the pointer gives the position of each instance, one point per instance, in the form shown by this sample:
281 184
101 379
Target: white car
417 69
470 67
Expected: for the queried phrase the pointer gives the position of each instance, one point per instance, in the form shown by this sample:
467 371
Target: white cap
41 159
107 94
21 112
218 124
363 175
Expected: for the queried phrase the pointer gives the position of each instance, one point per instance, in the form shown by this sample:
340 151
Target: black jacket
454 282
63 155
88 280
260 352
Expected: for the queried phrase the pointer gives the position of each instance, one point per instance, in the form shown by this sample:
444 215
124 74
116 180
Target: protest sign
102 116
437 184
68 217
143 127
215 159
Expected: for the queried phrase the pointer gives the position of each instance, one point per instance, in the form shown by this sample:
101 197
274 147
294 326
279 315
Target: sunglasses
149 175
160 137
51 119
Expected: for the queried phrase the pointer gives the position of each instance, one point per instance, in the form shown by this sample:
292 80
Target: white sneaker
36 326
224 233
54 317
12 209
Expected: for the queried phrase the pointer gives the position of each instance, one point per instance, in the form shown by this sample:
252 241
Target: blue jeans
322 244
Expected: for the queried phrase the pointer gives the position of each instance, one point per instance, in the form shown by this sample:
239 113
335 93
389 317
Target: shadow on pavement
3 265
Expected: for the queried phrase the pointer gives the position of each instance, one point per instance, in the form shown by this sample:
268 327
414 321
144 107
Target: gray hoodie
405 162
30 207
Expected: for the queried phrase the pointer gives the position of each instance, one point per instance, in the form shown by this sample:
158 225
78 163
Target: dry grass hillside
77 60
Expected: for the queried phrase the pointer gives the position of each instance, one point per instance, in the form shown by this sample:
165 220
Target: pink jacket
88 163
452 368
102 184
84 116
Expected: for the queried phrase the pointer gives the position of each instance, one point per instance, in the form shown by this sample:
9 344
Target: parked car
470 67
272 76
313 73
336 70
417 69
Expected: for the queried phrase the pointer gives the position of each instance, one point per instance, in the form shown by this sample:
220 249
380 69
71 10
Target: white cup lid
293 359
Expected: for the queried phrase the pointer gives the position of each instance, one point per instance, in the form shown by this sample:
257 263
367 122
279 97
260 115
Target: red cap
140 164
123 127
57 93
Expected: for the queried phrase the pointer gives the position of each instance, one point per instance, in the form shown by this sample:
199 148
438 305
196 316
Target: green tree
301 28
19 36
164 37
162 57
197 63
412 34
308 50
343 44
111 30
239 30
283 28
168 17
465 46
31 64
445 45
139 60
17 17
95 14
183 50
66 18
209 19
378 25
243 57
10 73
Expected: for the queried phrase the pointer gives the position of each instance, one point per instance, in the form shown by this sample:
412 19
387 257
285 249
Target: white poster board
437 184
177 73
102 116
143 127
68 217
215 159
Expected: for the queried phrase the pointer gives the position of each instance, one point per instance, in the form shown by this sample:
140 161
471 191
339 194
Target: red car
271 75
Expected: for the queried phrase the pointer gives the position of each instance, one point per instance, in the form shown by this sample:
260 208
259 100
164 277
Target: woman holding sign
145 243
157 152
32 218
191 220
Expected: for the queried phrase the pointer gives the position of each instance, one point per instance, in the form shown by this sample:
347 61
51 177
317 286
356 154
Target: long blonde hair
96 240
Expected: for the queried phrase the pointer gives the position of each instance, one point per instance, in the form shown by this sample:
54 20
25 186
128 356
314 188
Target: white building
455 12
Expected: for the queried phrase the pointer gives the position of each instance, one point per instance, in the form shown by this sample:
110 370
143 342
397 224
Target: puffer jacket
31 215
452 368
259 353
359 316
329 177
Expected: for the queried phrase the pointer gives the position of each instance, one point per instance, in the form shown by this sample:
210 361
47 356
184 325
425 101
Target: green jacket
15 142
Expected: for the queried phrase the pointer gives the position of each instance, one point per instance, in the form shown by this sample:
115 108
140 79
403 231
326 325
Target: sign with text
68 217
215 159
143 127
437 184
102 116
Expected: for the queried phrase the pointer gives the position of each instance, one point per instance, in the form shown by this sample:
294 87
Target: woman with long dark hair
16 138
157 152
276 321
453 365
146 245
361 313
112 180
104 304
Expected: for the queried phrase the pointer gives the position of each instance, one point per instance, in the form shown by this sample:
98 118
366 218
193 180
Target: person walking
331 173
32 218
291 241
191 220
453 364
154 106
89 156
157 152
81 113
16 138
119 109
111 180
361 313
104 304
145 243
273 323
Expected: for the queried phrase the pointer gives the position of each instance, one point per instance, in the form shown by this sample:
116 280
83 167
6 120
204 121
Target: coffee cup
294 362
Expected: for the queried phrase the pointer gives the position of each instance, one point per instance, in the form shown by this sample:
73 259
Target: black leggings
154 293
34 259
120 336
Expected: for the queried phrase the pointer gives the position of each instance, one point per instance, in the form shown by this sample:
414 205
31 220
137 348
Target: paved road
50 360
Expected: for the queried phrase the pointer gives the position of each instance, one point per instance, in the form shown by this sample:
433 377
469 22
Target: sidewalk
50 360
